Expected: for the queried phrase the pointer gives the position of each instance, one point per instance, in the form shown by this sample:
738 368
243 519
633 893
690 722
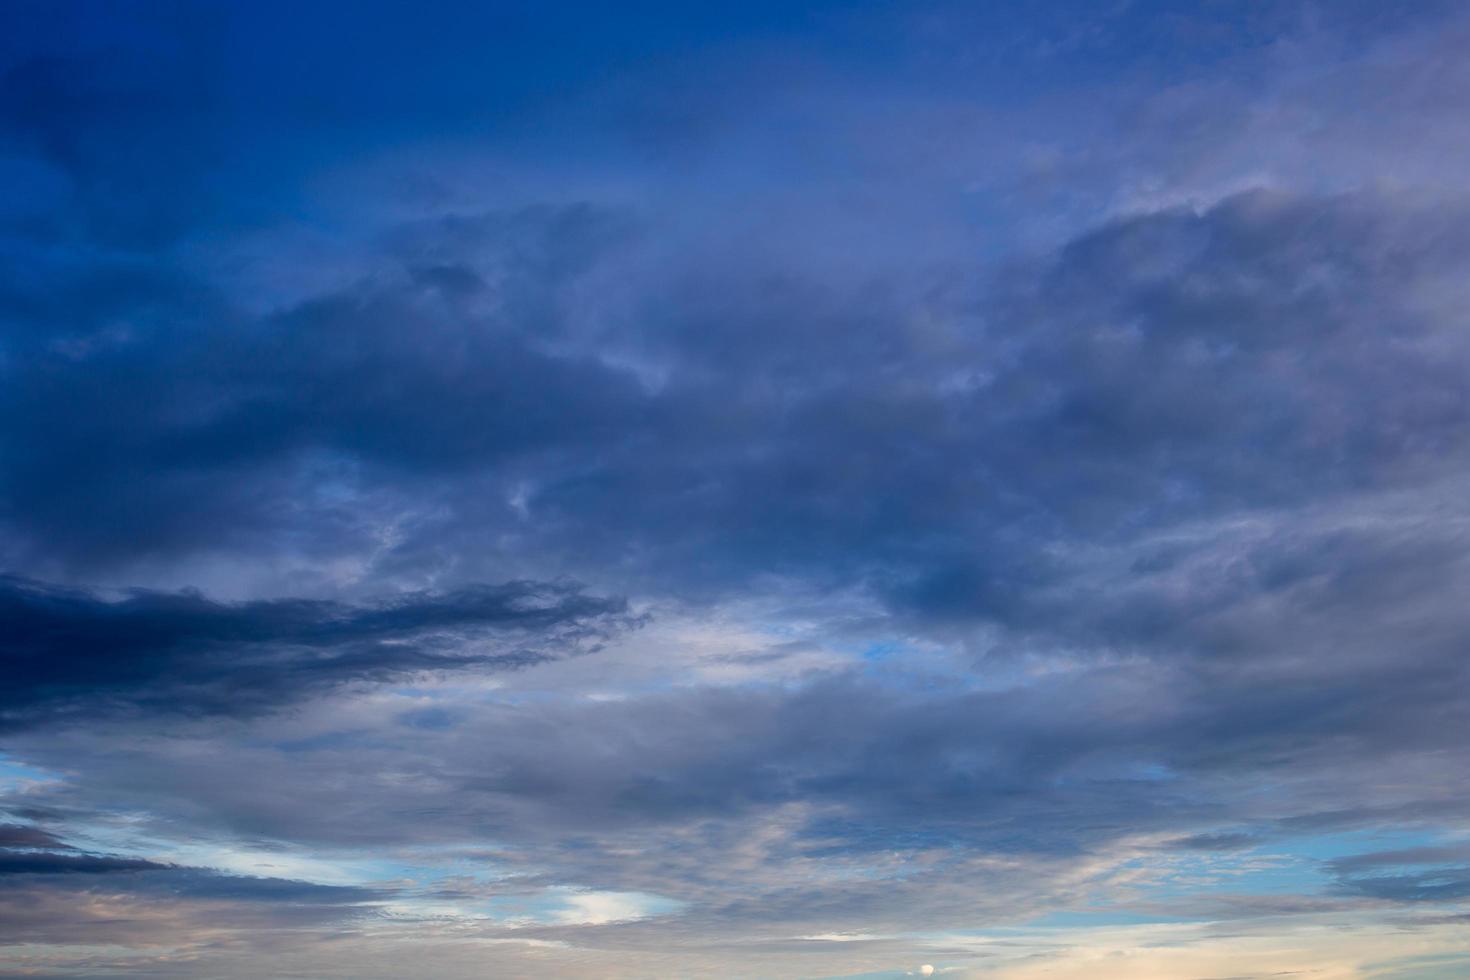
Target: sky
712 490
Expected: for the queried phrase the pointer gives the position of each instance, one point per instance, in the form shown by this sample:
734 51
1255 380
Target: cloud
73 655
53 892
1044 447
1166 367
1184 506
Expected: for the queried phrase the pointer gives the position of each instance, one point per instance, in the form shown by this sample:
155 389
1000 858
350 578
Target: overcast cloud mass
769 490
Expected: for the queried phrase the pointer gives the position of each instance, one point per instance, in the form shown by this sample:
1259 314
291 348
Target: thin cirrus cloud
966 488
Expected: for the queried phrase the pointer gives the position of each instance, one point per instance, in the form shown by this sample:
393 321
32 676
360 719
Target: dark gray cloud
23 836
1443 885
70 655
1408 856
1271 351
247 426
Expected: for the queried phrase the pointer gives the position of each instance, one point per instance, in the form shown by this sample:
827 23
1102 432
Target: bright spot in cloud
599 908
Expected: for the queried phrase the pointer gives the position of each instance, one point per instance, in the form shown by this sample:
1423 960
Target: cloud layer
969 489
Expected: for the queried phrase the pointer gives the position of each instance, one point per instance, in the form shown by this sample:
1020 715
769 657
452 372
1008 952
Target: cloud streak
71 654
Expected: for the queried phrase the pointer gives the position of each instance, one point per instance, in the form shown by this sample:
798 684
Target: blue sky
734 490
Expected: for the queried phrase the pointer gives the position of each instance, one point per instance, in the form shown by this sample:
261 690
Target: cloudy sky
767 489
